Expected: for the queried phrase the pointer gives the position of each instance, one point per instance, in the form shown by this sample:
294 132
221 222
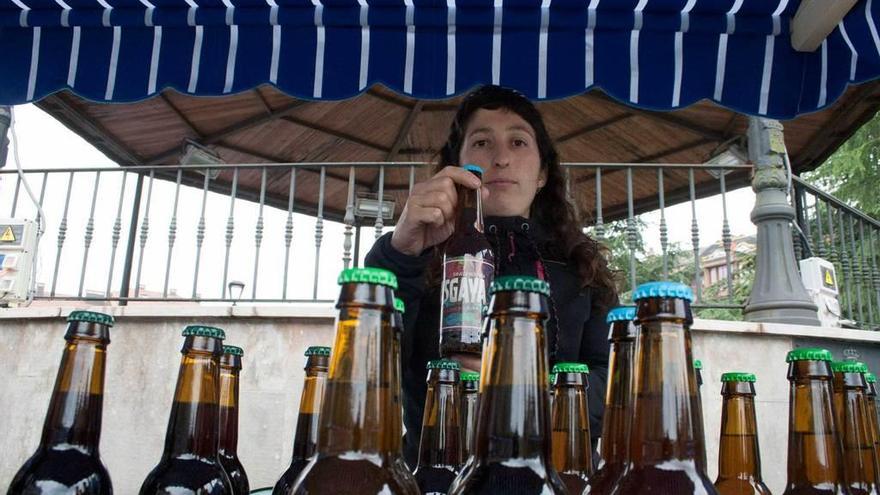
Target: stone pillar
5 120
778 295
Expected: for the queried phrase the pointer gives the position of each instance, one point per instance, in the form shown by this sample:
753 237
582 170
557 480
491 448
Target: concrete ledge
746 327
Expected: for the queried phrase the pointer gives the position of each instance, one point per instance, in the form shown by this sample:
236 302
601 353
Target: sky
45 143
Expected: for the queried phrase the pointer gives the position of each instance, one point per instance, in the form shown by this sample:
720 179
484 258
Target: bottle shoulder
62 470
356 474
738 486
200 475
524 478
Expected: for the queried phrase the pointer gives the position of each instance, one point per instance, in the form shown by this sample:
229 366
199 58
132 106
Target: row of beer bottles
202 436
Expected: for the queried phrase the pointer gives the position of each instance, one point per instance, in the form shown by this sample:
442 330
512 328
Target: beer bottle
664 439
851 407
468 269
701 440
359 447
230 368
190 461
618 400
306 437
739 459
814 449
871 396
440 445
470 387
512 447
67 458
570 426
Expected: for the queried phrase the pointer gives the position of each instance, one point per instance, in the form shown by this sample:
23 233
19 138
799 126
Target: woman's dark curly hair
551 207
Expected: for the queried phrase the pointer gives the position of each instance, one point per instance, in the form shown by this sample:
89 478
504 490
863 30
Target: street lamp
236 287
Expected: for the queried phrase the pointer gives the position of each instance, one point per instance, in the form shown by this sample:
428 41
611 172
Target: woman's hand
428 218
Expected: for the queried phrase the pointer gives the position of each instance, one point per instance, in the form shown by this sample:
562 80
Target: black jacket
518 246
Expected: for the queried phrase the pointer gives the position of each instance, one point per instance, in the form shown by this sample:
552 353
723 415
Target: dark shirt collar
515 225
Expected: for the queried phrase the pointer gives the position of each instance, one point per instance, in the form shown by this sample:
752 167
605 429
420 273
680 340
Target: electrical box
820 280
18 238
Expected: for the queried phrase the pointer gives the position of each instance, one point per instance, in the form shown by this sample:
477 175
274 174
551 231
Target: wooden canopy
267 126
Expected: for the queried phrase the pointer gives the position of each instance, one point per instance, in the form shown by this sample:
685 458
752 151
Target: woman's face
504 145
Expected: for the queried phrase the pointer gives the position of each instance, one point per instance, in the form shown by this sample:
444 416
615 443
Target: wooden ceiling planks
267 126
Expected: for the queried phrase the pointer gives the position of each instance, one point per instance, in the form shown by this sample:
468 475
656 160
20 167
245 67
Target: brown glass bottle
468 269
851 409
470 389
702 464
871 395
663 446
572 452
814 449
512 447
306 436
440 446
739 458
618 400
190 462
359 447
230 369
67 459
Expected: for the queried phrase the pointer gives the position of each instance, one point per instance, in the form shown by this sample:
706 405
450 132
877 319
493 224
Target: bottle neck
855 430
469 420
440 445
665 422
192 428
513 410
738 455
470 212
74 415
229 410
618 403
361 406
306 439
814 448
570 425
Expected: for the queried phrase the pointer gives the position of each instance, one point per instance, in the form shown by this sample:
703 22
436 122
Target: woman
533 230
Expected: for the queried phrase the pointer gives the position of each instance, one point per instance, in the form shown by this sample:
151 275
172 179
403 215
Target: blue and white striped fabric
656 54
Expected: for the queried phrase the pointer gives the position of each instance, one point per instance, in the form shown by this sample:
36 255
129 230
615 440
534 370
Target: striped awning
655 54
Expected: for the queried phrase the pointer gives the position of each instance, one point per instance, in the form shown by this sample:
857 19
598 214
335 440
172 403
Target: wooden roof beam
231 130
593 127
350 137
170 104
815 20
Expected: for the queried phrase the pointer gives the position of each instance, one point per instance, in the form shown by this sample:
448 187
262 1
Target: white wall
144 355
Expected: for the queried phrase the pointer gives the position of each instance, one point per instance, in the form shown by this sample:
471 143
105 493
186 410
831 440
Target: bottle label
465 287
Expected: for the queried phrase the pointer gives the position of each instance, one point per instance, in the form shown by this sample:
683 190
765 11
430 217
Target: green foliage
852 173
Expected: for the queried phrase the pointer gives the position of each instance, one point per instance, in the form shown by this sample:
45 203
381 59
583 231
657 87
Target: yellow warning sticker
8 235
828 279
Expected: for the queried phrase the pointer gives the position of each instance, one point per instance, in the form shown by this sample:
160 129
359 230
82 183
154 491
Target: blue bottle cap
470 167
663 289
621 313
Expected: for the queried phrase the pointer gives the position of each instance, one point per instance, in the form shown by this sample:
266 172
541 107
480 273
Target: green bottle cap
470 376
317 350
809 354
368 276
870 377
443 364
551 378
738 376
519 283
663 290
399 306
698 365
570 368
233 350
91 317
203 331
848 367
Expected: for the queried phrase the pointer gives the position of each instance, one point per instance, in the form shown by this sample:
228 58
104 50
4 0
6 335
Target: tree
852 173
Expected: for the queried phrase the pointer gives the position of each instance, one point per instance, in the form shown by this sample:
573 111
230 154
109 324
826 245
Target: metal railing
115 197
849 239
